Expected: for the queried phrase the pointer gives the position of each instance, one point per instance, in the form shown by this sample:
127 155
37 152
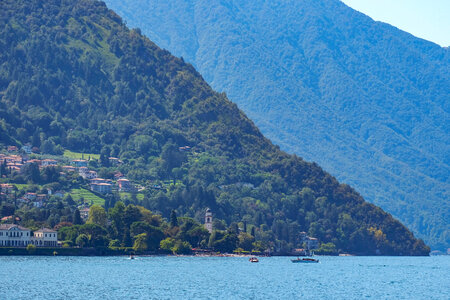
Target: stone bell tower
208 220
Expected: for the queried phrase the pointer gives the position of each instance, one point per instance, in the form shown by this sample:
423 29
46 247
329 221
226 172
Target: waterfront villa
45 238
12 235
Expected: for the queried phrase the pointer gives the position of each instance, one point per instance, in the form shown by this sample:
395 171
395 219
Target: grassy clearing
20 186
124 195
76 155
88 196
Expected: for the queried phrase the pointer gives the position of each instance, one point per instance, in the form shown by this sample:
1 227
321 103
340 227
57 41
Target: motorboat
253 259
305 260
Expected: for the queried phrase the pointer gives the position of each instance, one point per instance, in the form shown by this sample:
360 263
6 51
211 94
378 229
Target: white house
12 235
45 238
86 173
84 213
125 185
30 196
49 163
27 149
80 163
103 188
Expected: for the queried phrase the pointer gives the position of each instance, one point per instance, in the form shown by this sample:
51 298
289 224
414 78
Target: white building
84 213
49 163
102 188
12 235
27 149
125 185
208 220
80 163
45 238
312 243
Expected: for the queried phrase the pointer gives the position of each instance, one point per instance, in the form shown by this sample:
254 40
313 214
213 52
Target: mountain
73 76
368 102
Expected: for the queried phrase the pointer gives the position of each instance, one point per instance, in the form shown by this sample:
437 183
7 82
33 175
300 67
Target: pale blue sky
427 19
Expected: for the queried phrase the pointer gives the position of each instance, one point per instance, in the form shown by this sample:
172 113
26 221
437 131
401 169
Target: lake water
224 278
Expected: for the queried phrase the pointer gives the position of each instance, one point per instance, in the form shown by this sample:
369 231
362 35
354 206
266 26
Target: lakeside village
10 163
88 226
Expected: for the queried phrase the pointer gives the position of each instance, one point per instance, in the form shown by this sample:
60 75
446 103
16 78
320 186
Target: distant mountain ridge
368 102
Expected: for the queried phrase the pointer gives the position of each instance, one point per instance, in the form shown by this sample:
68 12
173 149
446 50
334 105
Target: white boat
253 259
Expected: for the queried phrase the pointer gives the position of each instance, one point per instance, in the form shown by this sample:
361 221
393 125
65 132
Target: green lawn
20 186
87 195
124 195
76 155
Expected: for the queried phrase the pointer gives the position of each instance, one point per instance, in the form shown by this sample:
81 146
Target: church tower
208 220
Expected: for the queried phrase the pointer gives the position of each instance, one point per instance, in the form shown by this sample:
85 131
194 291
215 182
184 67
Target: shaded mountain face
73 76
368 102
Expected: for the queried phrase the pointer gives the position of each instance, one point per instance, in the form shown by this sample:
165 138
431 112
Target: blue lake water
224 278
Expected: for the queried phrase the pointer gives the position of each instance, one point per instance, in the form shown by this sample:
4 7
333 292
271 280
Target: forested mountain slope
73 76
368 102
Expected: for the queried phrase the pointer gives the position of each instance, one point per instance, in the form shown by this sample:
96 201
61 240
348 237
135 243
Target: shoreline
106 252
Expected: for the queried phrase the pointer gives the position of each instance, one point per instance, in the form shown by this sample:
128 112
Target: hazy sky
427 19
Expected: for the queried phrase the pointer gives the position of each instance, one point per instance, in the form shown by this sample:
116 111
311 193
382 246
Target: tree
3 171
7 209
82 240
116 215
154 234
97 215
131 214
140 242
69 200
77 217
167 244
173 219
227 244
326 249
114 244
104 160
246 241
234 228
31 173
171 158
182 247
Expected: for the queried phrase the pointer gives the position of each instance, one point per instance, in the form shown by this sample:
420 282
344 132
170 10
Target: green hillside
365 100
73 76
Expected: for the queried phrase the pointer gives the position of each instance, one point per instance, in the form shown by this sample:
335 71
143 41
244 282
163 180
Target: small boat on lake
253 259
305 260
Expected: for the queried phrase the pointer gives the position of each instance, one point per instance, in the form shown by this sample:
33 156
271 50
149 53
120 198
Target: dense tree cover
133 227
73 76
365 100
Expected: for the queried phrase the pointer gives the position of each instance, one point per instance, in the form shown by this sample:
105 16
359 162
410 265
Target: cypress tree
76 217
173 219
